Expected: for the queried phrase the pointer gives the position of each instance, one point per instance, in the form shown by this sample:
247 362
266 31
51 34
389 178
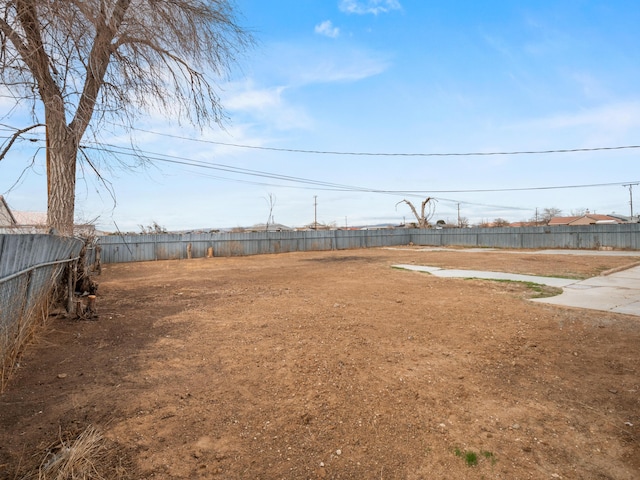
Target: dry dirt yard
334 365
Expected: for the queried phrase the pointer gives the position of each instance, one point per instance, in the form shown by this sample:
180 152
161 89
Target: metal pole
315 212
630 185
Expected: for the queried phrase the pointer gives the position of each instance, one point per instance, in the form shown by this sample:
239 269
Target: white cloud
602 126
364 7
300 65
246 97
327 29
618 117
248 103
337 70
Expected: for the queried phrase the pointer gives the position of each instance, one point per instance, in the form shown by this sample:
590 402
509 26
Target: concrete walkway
618 292
599 253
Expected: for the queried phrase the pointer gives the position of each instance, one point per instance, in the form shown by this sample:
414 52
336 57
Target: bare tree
425 214
81 62
271 201
154 228
579 212
501 222
549 213
546 215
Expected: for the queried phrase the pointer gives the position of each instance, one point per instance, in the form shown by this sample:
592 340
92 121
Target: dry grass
72 459
15 340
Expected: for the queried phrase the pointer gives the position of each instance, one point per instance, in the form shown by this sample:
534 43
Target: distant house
33 222
625 218
588 219
271 227
6 217
21 222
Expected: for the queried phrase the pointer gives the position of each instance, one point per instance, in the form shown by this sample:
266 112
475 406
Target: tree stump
91 311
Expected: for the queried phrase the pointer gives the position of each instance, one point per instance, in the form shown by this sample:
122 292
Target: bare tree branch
24 171
106 183
15 136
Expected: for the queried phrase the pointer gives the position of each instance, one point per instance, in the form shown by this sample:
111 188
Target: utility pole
459 225
631 185
315 212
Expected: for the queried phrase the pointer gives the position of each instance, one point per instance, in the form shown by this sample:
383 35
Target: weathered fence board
29 267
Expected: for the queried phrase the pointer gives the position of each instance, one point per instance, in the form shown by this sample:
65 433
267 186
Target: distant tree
463 222
484 223
82 62
501 222
154 228
322 225
542 218
271 201
425 214
579 212
549 213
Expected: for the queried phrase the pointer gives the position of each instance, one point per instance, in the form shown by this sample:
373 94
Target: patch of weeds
542 291
471 458
489 456
538 290
569 276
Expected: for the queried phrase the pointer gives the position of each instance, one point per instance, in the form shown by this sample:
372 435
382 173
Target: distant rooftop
30 218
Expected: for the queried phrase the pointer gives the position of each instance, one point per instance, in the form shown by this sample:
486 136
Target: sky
345 108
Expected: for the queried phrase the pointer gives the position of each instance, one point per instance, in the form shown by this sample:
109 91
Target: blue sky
388 77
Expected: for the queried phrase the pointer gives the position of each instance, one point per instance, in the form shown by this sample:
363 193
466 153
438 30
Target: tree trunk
422 221
62 150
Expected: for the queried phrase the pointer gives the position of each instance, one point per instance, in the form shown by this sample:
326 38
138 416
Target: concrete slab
618 292
612 299
603 253
514 277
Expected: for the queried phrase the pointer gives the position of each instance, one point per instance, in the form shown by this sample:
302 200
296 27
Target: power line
392 154
226 168
317 185
524 189
389 154
217 166
329 186
229 168
119 150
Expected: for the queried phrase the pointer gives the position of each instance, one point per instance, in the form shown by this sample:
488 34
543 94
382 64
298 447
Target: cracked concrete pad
618 292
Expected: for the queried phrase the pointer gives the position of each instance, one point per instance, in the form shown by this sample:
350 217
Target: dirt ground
334 365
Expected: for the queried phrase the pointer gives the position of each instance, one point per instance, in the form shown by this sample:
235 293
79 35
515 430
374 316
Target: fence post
71 280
